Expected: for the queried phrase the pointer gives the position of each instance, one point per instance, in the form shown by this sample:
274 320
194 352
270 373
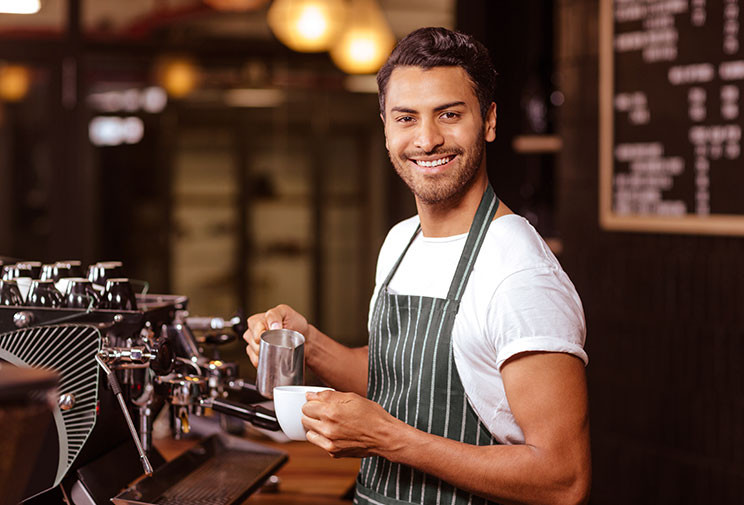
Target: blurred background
223 153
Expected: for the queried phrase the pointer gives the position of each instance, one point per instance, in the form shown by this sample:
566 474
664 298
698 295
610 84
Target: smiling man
472 388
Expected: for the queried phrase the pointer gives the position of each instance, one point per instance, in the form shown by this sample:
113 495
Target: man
472 388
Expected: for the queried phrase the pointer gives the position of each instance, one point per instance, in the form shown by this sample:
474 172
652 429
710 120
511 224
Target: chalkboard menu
672 115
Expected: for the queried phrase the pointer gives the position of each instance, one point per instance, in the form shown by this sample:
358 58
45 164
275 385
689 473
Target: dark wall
665 318
519 36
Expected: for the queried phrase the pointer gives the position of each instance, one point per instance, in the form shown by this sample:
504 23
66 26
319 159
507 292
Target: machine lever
111 376
255 414
211 323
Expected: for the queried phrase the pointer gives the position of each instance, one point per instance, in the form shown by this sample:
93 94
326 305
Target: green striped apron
412 374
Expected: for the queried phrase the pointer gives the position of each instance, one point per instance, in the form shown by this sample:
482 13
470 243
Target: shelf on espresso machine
221 470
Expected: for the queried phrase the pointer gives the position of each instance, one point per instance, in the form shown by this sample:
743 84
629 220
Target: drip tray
221 470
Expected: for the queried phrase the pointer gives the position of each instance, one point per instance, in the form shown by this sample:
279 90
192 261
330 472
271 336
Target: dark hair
440 47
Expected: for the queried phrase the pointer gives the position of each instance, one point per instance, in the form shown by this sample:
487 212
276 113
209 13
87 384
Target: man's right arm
340 367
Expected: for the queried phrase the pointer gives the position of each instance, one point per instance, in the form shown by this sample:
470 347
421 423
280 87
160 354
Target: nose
428 136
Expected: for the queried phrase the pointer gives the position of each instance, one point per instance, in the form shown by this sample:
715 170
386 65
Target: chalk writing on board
672 104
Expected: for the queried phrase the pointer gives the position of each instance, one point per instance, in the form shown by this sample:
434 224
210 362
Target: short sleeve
536 309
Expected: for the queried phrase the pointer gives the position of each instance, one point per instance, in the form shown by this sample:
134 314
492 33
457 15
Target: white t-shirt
518 299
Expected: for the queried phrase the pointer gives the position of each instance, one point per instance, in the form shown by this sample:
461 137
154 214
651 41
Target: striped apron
412 374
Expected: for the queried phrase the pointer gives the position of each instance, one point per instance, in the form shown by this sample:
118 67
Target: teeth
435 163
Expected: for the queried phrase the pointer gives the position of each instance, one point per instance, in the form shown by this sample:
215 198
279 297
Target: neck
454 217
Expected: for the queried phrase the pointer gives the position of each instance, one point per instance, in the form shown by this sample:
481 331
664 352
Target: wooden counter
310 477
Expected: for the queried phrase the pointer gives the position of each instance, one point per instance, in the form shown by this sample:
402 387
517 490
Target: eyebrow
436 109
449 105
403 109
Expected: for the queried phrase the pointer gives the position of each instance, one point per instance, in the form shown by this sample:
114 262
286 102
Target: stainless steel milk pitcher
281 361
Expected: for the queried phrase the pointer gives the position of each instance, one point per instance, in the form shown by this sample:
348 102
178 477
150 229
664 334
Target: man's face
434 132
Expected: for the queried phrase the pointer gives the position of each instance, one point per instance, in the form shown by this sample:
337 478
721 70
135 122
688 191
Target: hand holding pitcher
280 317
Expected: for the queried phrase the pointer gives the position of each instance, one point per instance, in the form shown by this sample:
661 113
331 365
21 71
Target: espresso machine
123 358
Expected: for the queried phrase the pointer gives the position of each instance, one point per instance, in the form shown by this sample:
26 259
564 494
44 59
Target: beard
443 187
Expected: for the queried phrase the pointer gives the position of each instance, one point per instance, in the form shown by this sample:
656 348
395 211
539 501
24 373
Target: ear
490 123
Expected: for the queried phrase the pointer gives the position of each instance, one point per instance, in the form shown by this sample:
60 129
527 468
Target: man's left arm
548 398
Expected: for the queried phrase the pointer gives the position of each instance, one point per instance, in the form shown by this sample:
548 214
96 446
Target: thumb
274 319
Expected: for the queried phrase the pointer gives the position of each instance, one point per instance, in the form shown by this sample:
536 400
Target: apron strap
483 217
400 259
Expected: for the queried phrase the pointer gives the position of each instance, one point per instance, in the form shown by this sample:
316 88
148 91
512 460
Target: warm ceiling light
15 81
307 26
20 6
236 5
256 98
365 42
178 76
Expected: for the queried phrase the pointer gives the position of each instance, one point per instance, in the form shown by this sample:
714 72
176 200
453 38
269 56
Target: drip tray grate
222 470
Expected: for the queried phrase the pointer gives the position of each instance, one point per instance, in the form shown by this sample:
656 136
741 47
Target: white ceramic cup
288 402
64 283
24 284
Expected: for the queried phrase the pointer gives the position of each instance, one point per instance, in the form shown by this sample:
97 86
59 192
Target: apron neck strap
489 204
400 259
483 216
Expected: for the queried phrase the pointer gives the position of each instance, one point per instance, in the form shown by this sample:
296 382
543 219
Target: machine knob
219 338
164 357
66 401
23 319
239 322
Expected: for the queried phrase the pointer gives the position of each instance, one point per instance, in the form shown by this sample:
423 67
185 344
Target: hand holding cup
288 403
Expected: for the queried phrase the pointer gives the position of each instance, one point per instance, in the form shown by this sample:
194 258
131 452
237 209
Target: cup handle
95 297
144 284
58 298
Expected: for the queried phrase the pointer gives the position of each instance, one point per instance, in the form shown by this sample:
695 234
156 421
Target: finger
252 355
248 336
328 395
254 345
313 409
253 352
319 427
257 325
255 328
311 423
275 317
324 395
317 439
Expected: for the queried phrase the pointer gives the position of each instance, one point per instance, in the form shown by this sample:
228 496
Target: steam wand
111 376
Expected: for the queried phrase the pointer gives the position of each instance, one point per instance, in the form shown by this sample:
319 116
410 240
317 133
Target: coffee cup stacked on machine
100 272
10 293
61 285
20 275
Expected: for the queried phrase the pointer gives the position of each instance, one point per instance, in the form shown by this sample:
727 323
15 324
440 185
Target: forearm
508 474
340 367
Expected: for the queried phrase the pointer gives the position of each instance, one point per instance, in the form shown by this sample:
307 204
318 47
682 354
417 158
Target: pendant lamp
15 81
366 41
236 5
20 6
178 76
307 26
